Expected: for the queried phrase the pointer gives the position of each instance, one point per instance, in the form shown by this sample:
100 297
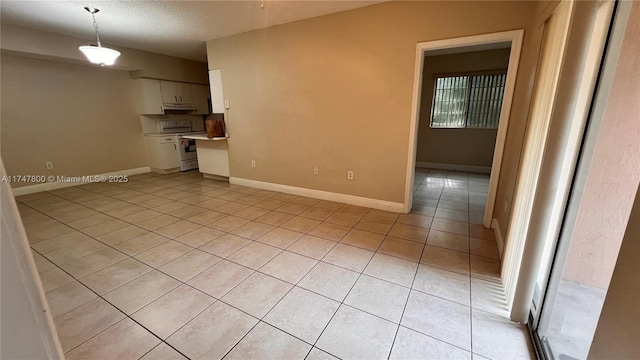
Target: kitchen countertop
204 137
192 133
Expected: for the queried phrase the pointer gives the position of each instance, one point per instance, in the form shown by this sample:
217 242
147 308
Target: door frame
514 37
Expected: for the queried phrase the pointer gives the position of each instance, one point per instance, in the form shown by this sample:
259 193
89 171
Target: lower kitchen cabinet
162 153
213 155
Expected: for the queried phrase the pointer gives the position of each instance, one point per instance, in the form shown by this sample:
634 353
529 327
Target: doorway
512 39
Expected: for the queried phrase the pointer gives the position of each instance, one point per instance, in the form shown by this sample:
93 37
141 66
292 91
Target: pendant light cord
95 25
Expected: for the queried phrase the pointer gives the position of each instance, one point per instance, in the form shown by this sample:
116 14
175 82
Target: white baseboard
454 167
25 190
499 239
164 171
215 177
322 195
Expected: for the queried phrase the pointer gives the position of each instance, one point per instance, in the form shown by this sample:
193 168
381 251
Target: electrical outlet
253 163
349 175
315 170
226 104
49 165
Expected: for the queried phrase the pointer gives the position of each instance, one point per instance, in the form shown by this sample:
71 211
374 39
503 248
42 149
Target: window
467 101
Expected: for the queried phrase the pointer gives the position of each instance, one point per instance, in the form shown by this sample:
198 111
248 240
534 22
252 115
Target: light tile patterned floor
174 266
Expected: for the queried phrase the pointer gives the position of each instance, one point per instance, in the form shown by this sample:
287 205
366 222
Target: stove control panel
173 126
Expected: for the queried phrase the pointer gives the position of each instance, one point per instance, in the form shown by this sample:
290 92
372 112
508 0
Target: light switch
226 104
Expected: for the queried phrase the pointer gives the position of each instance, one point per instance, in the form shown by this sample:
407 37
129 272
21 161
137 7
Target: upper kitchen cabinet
158 96
200 97
175 92
148 97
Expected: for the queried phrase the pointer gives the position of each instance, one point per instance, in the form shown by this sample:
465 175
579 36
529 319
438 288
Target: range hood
179 107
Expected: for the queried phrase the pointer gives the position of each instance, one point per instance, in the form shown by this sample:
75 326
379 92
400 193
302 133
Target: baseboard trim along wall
48 186
499 239
454 167
322 195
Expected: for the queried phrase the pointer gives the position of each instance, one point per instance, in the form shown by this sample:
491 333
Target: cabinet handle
175 147
176 96
180 98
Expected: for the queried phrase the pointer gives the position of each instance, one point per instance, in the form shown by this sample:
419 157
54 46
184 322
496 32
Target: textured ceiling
178 28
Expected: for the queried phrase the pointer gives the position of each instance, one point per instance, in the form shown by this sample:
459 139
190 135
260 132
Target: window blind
468 101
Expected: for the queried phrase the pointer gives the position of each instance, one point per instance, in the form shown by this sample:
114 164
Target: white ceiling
178 28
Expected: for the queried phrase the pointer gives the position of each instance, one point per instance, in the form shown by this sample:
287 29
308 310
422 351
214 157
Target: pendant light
98 54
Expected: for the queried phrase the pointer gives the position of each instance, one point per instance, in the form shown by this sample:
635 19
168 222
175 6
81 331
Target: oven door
187 149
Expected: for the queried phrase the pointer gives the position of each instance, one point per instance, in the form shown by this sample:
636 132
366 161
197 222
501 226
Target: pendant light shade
98 54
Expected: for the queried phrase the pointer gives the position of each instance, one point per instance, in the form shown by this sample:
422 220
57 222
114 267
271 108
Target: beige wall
335 92
81 118
27 42
456 146
614 172
618 328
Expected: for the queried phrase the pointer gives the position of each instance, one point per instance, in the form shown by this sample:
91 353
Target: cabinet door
163 152
217 99
184 93
169 92
200 98
213 157
168 156
148 97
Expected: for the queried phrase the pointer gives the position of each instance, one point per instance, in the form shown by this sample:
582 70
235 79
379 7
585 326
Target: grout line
242 338
338 309
415 274
470 273
153 348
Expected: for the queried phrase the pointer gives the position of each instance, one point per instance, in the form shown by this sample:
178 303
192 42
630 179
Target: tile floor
175 266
